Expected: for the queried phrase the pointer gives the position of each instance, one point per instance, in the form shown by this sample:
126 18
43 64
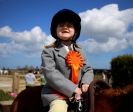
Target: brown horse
99 98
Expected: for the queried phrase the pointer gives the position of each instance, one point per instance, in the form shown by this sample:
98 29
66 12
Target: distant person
30 79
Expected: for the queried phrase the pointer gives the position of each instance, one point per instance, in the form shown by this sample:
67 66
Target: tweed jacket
57 74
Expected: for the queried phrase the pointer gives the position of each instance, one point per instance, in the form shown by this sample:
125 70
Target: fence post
15 85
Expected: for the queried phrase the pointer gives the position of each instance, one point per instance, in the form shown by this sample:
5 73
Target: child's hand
78 93
85 87
77 96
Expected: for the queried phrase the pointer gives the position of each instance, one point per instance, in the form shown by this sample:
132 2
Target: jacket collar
63 52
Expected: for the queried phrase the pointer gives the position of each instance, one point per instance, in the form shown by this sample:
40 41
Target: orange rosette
75 61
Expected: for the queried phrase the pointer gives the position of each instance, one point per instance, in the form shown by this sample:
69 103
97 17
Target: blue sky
107 29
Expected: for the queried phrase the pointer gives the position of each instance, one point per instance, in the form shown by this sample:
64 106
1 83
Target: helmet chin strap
66 42
69 40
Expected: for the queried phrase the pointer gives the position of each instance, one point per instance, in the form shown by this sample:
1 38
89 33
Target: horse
100 97
4 72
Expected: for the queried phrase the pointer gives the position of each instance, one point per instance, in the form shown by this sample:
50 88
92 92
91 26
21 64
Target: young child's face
65 31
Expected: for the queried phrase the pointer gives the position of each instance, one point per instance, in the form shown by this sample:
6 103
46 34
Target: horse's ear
102 84
97 85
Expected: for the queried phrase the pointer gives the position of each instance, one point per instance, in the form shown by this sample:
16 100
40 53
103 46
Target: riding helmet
66 15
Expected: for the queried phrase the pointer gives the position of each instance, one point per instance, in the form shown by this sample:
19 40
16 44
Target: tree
122 70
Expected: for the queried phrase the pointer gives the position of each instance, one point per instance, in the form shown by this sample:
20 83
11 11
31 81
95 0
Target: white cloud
108 28
113 44
129 37
29 42
3 49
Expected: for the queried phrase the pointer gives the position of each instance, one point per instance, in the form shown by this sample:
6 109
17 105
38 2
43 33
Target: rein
78 104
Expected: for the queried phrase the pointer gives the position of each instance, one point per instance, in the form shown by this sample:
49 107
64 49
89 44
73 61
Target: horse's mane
112 92
101 87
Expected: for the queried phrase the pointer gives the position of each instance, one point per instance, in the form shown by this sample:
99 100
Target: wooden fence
15 82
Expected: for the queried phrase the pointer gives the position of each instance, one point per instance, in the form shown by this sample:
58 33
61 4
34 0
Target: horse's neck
95 87
102 104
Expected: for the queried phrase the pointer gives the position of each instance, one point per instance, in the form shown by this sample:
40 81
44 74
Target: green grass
4 96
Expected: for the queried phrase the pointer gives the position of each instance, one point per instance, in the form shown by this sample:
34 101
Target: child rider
56 63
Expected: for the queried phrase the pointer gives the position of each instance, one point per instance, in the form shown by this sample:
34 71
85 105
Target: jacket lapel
61 51
77 48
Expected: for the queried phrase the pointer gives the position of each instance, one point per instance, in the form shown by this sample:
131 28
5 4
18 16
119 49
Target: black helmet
66 15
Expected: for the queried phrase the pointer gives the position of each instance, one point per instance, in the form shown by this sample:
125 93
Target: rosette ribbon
75 61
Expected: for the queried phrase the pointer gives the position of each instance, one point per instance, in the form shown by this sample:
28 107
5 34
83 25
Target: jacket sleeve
53 76
88 75
87 72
